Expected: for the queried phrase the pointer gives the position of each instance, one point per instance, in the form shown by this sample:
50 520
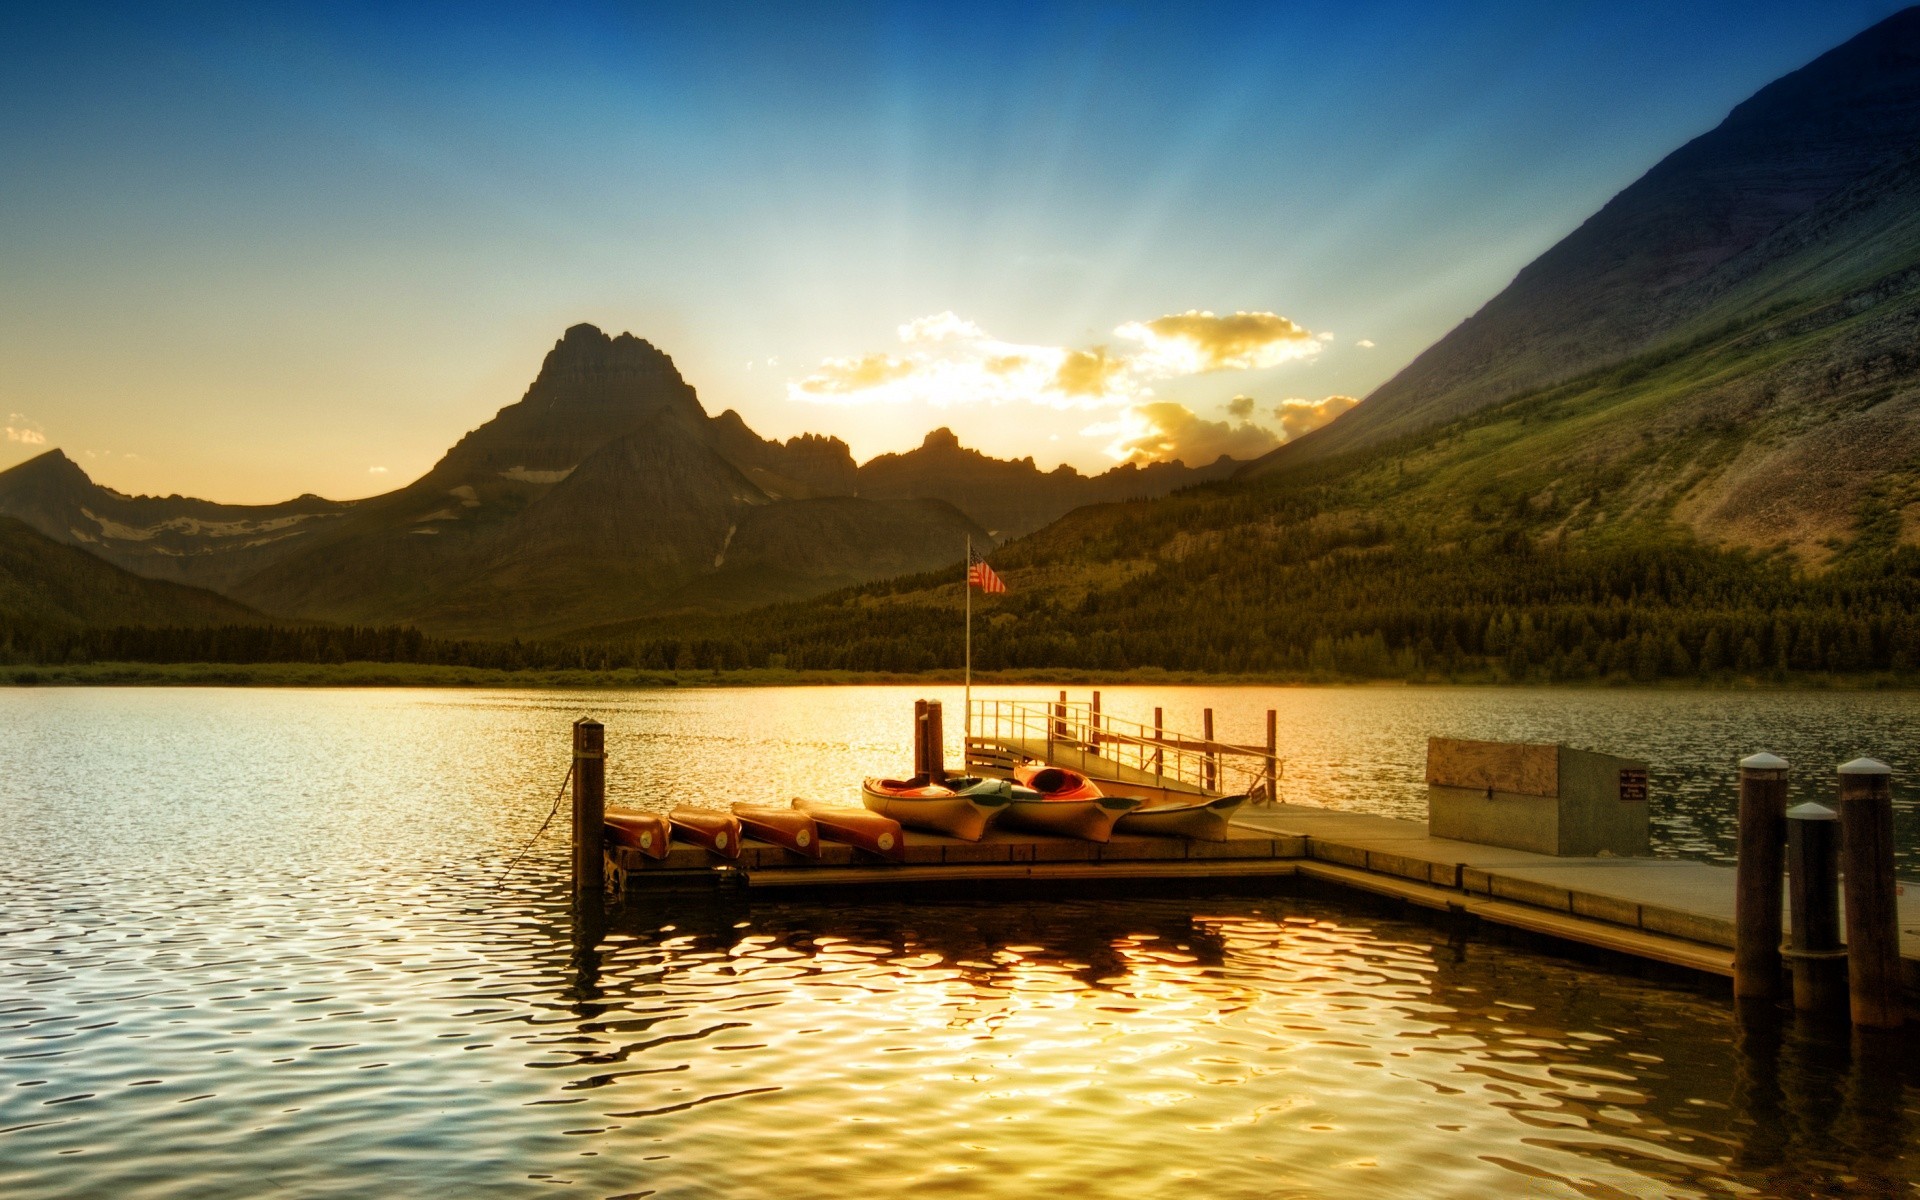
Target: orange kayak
782 827
647 832
1056 783
858 828
719 832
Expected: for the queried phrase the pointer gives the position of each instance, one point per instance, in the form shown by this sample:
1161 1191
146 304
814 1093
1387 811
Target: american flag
980 575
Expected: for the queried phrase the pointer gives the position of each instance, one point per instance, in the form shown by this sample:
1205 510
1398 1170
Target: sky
254 251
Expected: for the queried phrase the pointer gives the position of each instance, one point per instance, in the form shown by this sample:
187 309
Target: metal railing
1046 728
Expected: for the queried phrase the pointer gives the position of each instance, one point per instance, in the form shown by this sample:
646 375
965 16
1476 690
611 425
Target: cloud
22 429
1165 430
1240 407
1365 343
1195 342
1304 416
1088 372
944 360
845 376
376 470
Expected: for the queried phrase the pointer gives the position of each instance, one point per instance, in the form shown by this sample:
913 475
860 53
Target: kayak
964 811
719 832
1056 783
646 832
782 827
1201 820
869 831
1090 820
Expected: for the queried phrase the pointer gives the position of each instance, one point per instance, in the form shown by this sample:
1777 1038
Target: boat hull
783 827
1205 821
718 832
856 827
1088 820
647 832
954 814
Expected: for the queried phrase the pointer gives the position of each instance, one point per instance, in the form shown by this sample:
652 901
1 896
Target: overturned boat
647 832
784 827
856 827
718 831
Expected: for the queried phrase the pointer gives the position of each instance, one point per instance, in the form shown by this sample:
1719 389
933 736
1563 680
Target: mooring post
936 744
1093 730
589 809
1813 946
1159 744
1873 919
1273 757
1757 877
1209 764
1060 717
919 739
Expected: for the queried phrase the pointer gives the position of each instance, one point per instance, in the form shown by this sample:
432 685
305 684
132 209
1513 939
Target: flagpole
966 719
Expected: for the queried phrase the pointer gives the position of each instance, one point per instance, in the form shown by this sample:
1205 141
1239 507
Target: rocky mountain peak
586 359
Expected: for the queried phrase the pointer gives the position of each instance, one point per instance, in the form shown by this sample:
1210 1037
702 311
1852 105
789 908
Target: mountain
605 493
1015 497
162 537
1685 442
1803 197
46 587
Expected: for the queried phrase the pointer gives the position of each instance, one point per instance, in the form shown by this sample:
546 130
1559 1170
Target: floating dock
1673 912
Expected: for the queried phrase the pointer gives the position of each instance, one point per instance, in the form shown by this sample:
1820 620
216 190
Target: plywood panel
1527 769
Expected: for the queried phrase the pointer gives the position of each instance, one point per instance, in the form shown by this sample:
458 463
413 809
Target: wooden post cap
1811 811
1763 762
1865 766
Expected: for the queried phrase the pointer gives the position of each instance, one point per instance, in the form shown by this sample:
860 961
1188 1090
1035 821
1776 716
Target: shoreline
399 675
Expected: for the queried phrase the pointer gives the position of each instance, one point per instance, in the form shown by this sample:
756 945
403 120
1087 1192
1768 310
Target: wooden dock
1669 911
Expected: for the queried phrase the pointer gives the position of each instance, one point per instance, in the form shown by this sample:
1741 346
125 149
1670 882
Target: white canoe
1090 820
1203 821
955 815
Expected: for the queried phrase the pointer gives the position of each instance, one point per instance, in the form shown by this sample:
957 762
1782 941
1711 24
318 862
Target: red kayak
647 832
1056 783
782 827
719 832
857 827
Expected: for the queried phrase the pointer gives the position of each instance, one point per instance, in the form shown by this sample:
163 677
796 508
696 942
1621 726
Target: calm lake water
258 942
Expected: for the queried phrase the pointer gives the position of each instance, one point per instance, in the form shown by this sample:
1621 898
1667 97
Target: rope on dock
551 813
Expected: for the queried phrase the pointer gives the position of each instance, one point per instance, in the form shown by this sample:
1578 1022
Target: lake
265 942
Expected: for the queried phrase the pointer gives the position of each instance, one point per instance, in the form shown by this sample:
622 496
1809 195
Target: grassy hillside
48 590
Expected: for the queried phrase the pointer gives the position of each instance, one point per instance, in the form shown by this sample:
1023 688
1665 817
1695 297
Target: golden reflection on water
260 942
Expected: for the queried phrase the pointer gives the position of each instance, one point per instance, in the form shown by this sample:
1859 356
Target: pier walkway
1673 911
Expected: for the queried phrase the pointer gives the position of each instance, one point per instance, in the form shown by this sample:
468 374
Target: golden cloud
1196 341
1168 431
1304 416
844 376
20 428
1088 372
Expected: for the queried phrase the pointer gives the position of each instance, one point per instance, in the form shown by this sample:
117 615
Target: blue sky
249 253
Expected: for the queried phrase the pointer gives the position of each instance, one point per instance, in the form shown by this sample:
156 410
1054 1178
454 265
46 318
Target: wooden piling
1093 736
1813 947
1273 756
1159 736
1060 717
1210 770
589 809
919 738
936 743
1873 922
1757 887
